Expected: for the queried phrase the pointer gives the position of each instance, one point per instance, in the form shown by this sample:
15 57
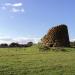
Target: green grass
31 61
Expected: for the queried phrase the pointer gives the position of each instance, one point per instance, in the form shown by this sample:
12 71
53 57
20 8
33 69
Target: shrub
4 45
13 44
43 47
29 44
46 48
72 44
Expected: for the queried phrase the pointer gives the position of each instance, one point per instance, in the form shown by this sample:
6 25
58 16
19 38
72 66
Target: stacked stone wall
56 37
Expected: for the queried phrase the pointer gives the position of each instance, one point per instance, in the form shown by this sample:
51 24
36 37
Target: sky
29 20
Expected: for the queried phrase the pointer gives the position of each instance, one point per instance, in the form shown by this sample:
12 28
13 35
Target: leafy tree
4 45
72 44
13 44
29 44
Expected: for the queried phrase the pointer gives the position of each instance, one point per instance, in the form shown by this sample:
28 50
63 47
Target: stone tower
57 37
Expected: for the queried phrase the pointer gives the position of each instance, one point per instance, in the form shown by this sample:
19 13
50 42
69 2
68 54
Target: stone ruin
56 37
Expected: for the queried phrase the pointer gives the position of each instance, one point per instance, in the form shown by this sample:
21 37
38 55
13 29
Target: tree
29 44
72 44
13 44
4 45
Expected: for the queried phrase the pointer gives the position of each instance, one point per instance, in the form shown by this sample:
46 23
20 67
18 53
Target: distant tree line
72 44
14 44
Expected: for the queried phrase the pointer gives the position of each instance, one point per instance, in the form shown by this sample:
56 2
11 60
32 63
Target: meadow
31 61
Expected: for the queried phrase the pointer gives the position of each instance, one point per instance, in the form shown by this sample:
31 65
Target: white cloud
3 8
13 7
15 10
5 39
22 10
24 40
21 40
17 4
7 4
14 4
72 40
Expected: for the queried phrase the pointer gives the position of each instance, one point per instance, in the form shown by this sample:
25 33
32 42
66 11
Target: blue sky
33 18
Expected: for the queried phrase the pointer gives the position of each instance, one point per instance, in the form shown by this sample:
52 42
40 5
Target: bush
13 44
29 44
4 45
46 48
72 44
42 47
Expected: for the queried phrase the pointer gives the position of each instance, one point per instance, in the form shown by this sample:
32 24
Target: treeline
72 44
13 44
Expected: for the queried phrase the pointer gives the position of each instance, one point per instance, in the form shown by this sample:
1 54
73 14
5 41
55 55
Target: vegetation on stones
42 47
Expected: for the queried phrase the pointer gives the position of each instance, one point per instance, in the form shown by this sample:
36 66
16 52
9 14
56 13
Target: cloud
13 7
3 8
72 40
24 40
17 4
5 40
17 10
7 4
21 40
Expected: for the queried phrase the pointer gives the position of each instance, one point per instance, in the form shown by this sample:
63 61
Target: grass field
31 61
